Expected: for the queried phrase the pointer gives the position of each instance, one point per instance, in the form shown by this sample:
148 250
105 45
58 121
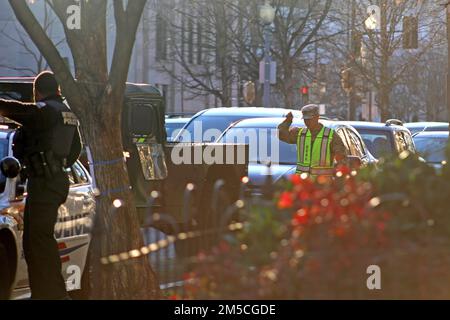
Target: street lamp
267 15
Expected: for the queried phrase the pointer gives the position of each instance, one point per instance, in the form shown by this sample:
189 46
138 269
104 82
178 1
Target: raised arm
28 114
285 133
22 113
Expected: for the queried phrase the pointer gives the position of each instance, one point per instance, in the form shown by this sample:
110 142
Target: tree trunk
288 84
116 230
384 103
384 87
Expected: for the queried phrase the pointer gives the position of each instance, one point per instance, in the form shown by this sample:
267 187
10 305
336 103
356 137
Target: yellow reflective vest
315 158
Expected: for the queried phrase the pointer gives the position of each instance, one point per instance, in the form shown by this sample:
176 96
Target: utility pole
267 59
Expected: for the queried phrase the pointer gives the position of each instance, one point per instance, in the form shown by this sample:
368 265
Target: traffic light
410 33
304 90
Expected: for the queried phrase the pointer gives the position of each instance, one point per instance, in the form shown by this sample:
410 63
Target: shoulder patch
70 118
40 105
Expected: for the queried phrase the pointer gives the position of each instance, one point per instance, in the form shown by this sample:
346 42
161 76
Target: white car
72 230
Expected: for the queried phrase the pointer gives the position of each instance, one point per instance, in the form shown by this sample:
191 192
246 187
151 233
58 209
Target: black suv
385 139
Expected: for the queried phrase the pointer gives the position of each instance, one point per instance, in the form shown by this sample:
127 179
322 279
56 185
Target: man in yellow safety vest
317 145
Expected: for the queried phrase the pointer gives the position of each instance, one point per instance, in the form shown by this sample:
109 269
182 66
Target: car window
378 142
173 128
208 128
432 148
264 145
356 147
79 174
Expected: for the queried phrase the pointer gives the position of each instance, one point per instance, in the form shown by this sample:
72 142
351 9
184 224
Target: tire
5 274
84 292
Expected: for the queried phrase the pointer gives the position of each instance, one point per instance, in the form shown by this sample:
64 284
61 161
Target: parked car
218 119
384 139
265 147
432 146
72 230
416 127
173 126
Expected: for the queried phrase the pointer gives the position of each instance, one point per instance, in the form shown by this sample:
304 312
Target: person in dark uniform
43 145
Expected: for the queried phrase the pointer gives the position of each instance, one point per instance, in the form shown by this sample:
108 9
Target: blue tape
114 191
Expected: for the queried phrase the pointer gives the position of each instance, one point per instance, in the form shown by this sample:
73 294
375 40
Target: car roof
273 122
425 124
432 134
16 79
177 120
131 88
374 125
248 111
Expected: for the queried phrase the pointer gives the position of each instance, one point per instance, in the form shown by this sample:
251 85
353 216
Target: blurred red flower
286 200
301 217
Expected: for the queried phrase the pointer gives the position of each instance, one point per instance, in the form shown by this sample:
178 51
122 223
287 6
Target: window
379 142
264 145
432 149
161 37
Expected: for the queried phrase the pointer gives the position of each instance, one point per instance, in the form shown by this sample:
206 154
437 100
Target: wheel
84 292
5 274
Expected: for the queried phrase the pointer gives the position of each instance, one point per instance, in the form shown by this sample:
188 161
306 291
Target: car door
75 221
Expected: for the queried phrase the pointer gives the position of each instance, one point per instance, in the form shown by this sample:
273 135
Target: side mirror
354 162
10 167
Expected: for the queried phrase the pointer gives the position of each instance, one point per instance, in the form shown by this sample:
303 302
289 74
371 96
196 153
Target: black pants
39 243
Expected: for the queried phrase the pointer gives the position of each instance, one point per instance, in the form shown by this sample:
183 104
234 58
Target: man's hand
289 118
284 133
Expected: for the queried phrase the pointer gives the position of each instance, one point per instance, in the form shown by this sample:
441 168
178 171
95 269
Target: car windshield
3 153
414 130
432 149
378 142
264 145
172 129
207 128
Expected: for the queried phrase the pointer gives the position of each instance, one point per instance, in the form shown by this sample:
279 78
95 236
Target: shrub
318 237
